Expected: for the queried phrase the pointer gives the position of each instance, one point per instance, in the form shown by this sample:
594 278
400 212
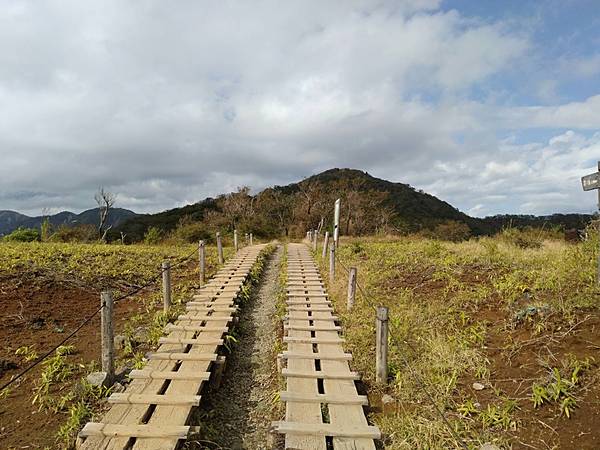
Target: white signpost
589 183
336 223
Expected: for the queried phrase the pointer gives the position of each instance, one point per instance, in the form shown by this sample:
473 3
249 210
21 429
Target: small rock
488 446
140 335
96 378
117 387
119 341
386 399
478 386
388 404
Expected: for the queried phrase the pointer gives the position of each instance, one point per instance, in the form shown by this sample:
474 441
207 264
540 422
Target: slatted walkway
152 413
323 408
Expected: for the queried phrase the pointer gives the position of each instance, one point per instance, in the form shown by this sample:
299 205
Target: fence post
325 245
219 248
107 336
166 279
351 287
250 238
315 238
336 223
202 261
235 240
381 353
332 262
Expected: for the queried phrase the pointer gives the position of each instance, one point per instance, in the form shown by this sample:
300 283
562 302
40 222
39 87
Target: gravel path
239 413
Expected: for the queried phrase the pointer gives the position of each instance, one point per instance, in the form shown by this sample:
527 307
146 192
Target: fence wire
397 341
86 321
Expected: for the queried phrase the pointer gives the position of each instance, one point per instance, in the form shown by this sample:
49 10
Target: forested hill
11 220
369 205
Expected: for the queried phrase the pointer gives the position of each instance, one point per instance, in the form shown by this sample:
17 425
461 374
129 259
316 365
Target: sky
493 106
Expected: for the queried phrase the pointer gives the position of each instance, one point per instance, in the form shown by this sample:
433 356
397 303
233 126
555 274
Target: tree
105 201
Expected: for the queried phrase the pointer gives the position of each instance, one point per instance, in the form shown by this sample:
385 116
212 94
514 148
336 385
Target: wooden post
107 336
598 274
325 245
202 261
351 287
235 240
250 238
332 262
315 238
336 223
166 279
381 352
220 248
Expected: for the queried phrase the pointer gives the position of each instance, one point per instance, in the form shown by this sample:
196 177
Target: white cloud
166 105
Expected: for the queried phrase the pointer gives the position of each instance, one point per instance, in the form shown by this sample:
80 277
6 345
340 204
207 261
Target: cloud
167 105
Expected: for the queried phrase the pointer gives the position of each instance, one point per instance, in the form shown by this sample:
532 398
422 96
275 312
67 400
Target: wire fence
398 341
133 292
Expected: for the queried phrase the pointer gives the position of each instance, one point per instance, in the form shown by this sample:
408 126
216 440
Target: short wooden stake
351 287
245 238
250 238
202 261
314 242
325 245
235 240
166 279
107 336
332 262
220 248
381 352
219 370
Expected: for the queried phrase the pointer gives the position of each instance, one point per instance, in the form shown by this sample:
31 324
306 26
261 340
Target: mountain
369 204
11 220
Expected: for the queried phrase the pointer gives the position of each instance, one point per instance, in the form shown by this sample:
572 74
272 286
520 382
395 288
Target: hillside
11 220
370 205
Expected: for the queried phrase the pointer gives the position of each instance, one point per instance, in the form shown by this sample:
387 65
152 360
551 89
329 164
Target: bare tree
105 201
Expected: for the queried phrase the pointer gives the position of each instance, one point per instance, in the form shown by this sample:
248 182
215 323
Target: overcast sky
493 106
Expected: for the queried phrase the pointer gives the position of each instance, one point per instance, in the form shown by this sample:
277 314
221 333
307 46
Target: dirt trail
238 414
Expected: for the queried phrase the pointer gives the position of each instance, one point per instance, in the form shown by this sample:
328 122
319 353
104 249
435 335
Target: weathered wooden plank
112 430
169 375
154 399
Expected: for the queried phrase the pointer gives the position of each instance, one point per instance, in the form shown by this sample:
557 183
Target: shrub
23 235
525 238
153 236
451 230
77 233
190 232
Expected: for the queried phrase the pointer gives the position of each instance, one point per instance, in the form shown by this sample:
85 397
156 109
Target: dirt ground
40 313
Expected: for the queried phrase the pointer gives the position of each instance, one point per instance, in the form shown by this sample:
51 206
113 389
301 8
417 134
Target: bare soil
40 313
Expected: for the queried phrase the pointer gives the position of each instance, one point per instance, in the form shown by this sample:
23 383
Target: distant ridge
11 220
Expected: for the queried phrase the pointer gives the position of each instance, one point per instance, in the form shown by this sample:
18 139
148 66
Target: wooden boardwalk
323 408
152 413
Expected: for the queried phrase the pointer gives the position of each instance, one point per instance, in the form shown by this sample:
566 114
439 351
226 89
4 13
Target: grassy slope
480 311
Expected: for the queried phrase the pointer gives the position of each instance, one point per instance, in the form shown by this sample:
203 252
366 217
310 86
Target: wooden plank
191 341
310 328
194 318
111 430
319 355
286 396
133 399
169 375
320 374
325 429
176 356
173 327
314 340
